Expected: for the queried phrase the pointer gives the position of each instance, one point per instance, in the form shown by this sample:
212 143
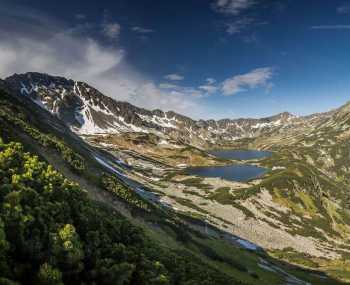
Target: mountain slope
87 111
46 134
51 233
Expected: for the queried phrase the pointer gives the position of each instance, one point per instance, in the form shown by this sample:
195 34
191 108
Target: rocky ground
251 211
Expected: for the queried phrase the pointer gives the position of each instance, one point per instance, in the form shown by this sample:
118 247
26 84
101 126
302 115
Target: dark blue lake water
236 172
241 154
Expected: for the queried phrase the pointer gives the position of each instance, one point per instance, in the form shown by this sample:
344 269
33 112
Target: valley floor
249 214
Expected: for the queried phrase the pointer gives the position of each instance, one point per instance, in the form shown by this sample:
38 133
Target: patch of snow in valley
289 278
166 143
105 164
278 168
182 165
106 144
246 244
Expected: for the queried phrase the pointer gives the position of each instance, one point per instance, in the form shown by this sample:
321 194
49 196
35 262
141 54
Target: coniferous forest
51 233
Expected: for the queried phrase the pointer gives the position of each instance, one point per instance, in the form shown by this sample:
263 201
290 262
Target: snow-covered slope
89 112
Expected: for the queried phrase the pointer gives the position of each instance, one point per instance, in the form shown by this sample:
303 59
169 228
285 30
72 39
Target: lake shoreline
240 170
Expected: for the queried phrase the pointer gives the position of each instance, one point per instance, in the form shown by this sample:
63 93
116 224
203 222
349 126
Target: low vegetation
113 185
51 233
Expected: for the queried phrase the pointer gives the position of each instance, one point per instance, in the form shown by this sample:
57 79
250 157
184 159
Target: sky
208 59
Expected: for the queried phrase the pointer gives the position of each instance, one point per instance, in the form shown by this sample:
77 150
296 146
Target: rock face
88 111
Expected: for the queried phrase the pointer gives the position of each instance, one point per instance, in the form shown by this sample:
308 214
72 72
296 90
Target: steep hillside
51 233
89 112
133 164
309 186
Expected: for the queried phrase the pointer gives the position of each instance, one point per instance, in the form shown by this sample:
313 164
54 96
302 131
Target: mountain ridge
87 111
296 204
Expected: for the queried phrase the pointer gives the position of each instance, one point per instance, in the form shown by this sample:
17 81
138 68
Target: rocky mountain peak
87 111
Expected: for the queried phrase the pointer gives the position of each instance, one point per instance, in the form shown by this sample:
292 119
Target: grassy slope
313 185
232 261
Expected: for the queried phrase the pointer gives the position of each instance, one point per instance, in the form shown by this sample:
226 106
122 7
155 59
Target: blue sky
206 59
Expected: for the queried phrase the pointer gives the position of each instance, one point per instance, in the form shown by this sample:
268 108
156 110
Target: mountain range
290 226
88 112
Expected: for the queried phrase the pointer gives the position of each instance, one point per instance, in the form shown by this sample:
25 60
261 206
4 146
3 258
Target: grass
188 203
224 196
242 264
196 182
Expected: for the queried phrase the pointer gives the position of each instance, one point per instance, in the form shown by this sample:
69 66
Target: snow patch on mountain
89 112
162 122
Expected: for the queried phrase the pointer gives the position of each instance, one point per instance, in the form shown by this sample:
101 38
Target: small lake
240 154
237 172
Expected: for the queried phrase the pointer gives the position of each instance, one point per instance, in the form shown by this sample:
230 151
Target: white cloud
259 77
111 30
233 7
174 77
167 86
344 9
238 22
85 59
141 30
210 80
238 26
60 54
210 89
184 91
242 24
330 27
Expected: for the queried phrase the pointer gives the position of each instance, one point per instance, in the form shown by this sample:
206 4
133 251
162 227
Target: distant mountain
88 112
299 211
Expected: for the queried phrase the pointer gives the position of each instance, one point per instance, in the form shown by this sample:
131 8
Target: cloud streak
141 30
232 7
174 77
238 26
72 53
330 27
259 77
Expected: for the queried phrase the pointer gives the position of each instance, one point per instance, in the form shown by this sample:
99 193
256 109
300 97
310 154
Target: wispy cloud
167 86
210 89
238 26
174 77
259 77
343 9
141 30
210 80
186 91
111 30
71 52
233 7
330 27
238 18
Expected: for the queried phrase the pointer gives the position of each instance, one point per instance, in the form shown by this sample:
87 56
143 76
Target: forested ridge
51 233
